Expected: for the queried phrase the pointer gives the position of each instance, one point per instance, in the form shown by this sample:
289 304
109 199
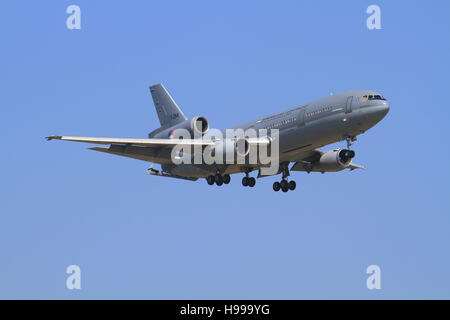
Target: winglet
53 137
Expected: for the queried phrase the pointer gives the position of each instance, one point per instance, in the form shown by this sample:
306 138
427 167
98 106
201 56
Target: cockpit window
372 97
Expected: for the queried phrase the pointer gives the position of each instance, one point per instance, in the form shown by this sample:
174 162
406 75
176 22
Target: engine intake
345 156
199 125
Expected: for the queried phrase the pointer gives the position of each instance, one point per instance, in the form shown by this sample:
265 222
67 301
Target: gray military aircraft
302 130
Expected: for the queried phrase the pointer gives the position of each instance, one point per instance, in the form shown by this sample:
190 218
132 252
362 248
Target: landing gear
226 178
218 179
276 186
248 182
210 180
349 140
292 185
284 185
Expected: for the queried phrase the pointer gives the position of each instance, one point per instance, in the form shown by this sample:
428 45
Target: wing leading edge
138 142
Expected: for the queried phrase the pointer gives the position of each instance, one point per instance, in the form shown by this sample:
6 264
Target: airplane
303 130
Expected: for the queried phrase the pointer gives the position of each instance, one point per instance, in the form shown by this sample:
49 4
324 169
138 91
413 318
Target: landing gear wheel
285 188
284 184
226 178
218 179
276 186
210 180
292 185
245 181
251 182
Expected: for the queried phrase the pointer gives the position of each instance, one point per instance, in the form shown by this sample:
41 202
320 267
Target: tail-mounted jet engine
197 127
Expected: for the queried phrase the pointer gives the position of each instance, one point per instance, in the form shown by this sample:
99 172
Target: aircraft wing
151 150
168 143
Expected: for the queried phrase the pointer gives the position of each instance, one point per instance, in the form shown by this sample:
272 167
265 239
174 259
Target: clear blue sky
136 236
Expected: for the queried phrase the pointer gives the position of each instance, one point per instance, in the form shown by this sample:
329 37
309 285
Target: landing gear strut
349 140
284 185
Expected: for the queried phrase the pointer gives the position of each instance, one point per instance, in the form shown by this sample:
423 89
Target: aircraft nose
385 108
380 111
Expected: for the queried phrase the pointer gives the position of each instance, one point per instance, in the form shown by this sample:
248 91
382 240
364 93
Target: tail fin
168 111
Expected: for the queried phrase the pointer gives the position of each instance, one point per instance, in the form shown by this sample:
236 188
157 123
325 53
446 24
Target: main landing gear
248 181
284 185
218 179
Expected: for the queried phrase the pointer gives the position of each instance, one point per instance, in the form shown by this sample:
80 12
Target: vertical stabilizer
168 111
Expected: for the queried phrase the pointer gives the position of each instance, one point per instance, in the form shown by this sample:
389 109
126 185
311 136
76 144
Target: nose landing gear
350 140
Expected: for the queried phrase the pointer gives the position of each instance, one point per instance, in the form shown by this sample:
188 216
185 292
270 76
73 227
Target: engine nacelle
197 127
334 160
231 149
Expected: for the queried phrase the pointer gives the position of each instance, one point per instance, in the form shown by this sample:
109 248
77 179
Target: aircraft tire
276 186
226 178
218 179
292 185
210 180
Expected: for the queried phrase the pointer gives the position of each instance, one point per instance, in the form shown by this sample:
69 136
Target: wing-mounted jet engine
329 161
